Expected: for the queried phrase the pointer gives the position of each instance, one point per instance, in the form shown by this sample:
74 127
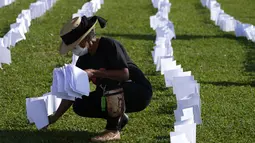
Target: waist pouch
113 101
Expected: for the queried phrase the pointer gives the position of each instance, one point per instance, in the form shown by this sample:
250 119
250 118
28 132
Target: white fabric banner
228 23
185 87
5 2
21 27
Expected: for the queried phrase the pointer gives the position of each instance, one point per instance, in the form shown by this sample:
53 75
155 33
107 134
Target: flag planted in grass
69 82
170 74
5 53
186 88
228 23
189 129
178 137
5 2
89 8
39 108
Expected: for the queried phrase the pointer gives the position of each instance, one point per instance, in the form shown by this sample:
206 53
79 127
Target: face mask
79 51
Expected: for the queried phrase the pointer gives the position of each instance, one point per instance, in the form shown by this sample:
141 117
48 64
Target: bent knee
144 105
138 107
77 109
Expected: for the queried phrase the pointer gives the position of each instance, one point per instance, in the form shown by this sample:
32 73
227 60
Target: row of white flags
69 82
5 2
228 23
185 87
21 27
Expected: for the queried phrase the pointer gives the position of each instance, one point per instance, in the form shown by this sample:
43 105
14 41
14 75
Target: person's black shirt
111 55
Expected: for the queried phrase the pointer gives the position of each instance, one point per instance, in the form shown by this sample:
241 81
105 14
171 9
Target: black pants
137 98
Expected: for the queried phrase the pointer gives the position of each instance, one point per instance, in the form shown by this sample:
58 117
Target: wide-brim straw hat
74 31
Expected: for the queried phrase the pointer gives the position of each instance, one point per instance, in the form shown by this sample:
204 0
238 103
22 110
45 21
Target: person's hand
90 72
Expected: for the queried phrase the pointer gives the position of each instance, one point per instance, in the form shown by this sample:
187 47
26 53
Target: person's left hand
90 72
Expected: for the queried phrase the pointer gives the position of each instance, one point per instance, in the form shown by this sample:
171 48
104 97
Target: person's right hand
90 72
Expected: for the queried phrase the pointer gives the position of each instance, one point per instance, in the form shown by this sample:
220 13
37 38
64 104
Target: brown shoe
107 135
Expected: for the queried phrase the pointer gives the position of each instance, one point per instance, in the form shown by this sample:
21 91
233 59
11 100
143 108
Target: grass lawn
241 10
222 64
9 13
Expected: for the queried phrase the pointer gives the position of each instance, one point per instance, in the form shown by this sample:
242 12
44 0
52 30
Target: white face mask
79 51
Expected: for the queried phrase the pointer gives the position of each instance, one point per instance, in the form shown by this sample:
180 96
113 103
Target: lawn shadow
178 37
203 12
161 88
249 47
53 136
192 37
199 6
249 63
11 12
4 30
167 108
228 84
131 36
162 139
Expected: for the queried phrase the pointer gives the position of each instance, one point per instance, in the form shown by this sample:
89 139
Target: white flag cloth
164 8
96 5
184 86
158 20
37 9
52 103
240 29
214 11
249 32
37 111
170 74
160 51
178 137
204 2
226 22
192 112
79 80
17 34
5 53
211 3
168 64
23 21
48 3
88 9
155 3
181 90
158 67
70 82
74 59
189 130
189 101
43 107
166 31
5 2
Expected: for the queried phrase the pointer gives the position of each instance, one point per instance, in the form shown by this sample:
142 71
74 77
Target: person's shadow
52 136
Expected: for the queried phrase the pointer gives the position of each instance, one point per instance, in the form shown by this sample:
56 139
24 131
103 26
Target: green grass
241 10
9 13
222 63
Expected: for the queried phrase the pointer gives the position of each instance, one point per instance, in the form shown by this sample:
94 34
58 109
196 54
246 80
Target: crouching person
121 86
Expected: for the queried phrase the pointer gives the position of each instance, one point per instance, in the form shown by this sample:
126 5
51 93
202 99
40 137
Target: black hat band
84 26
